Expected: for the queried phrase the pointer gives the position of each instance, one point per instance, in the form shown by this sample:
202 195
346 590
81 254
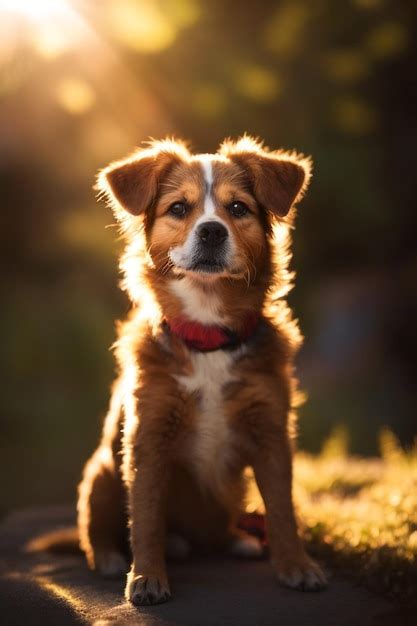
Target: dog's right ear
278 178
133 183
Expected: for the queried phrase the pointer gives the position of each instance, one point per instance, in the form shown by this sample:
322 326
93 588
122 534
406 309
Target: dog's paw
303 576
142 589
110 563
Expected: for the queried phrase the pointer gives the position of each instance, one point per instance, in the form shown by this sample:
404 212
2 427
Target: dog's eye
178 209
237 208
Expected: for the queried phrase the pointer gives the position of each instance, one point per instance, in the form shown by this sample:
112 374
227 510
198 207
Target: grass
360 515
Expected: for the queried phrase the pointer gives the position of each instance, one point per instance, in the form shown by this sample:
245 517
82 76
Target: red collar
204 338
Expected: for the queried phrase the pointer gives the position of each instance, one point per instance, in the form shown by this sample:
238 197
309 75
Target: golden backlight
52 27
36 9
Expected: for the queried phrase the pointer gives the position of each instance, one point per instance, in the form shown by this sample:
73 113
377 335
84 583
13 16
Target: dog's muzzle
210 253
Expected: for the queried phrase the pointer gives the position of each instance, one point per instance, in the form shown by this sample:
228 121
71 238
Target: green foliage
359 515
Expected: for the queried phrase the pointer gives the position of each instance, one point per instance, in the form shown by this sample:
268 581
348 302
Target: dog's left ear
133 183
278 179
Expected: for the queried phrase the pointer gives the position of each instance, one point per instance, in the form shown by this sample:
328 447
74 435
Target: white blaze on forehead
182 256
207 165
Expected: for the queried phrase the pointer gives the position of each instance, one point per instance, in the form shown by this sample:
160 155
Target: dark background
83 83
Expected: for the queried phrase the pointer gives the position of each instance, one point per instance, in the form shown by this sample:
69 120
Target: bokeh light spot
353 115
345 66
50 42
285 27
141 25
75 95
182 12
258 83
387 39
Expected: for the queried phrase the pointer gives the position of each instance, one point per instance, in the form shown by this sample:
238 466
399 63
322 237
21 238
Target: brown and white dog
206 385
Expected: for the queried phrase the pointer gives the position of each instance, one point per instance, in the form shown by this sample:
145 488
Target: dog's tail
61 541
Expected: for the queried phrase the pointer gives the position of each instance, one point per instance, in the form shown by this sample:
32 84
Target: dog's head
208 215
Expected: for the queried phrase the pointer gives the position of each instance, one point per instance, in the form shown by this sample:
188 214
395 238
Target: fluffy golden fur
183 425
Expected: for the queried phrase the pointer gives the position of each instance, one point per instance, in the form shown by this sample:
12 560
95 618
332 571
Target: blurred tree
82 82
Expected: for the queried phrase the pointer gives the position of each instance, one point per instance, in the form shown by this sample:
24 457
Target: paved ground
60 591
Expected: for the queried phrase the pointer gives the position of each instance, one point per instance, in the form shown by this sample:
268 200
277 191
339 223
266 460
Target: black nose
212 233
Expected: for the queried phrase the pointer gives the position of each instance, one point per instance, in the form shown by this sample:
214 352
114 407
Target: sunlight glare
36 9
52 26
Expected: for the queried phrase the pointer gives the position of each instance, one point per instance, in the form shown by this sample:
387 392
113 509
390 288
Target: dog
206 386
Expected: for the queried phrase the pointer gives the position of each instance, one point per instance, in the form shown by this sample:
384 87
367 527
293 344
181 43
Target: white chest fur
210 445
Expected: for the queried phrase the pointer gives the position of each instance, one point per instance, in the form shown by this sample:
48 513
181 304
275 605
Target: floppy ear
278 179
133 183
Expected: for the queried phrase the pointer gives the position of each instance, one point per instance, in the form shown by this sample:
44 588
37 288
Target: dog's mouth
202 263
207 266
202 266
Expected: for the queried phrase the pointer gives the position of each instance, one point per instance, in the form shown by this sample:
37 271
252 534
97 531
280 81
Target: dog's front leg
147 581
273 473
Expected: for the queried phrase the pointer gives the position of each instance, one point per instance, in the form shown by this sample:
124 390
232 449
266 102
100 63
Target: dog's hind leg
102 520
102 514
